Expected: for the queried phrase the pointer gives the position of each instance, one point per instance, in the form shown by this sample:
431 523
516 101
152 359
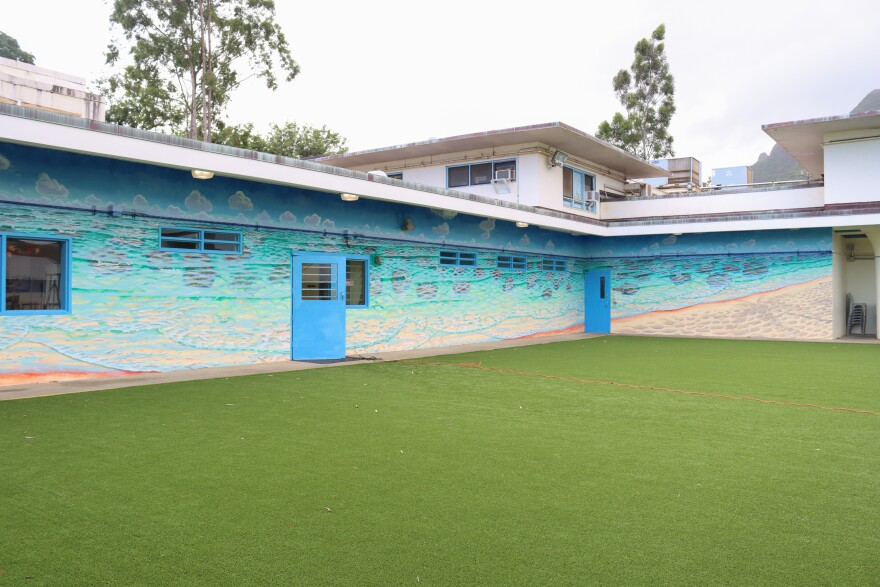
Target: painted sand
801 311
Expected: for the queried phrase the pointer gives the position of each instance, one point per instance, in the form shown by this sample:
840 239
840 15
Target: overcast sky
385 72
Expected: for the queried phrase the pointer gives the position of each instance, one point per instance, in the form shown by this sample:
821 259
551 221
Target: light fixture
407 225
349 197
676 234
521 224
558 158
202 174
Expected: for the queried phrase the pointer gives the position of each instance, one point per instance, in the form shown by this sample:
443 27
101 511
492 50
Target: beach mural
759 284
136 308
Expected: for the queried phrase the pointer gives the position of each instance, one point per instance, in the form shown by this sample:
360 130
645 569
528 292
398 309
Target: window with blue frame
557 265
458 258
480 173
34 274
575 185
198 239
357 281
511 262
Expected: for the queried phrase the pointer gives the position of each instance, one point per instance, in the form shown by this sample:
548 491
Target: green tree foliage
9 48
288 140
184 58
647 93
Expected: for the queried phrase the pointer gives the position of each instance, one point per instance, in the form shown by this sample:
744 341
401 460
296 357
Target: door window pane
319 281
34 274
567 183
355 282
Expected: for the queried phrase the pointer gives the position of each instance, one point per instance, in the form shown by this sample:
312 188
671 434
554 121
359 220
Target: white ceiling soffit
803 139
557 135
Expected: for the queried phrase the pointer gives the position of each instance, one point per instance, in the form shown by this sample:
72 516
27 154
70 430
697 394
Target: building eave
805 139
557 135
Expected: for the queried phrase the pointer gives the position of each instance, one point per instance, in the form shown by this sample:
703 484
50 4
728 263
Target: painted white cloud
654 246
749 243
329 224
240 201
524 239
486 235
50 187
312 220
444 214
92 200
287 217
264 218
196 202
441 229
670 240
488 224
174 210
550 246
4 163
140 202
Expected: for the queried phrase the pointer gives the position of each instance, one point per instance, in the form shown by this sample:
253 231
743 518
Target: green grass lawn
412 474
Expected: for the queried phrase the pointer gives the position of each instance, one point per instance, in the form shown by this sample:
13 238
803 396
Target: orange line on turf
650 387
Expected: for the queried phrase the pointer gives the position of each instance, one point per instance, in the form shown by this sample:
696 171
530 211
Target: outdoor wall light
558 158
349 197
202 174
522 224
407 225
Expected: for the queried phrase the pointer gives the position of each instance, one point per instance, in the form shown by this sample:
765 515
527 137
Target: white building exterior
30 86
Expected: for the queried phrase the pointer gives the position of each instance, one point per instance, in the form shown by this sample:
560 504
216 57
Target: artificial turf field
448 474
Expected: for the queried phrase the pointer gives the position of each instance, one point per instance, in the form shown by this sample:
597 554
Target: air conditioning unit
591 201
504 174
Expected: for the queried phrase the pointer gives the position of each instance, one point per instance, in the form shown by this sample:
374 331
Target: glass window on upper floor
576 188
482 173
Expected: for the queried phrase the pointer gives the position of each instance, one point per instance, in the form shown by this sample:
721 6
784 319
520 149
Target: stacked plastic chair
856 315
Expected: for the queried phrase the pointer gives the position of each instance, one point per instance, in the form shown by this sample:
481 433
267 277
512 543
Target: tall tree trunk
205 135
209 87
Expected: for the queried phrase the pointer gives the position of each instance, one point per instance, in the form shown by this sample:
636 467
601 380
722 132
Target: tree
184 60
288 140
9 48
647 95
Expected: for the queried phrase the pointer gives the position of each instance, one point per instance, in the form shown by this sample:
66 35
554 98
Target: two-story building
129 251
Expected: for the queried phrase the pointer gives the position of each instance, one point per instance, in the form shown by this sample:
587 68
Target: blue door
597 301
318 306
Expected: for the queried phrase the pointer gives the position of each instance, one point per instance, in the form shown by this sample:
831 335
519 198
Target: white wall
851 171
811 197
36 87
838 278
860 279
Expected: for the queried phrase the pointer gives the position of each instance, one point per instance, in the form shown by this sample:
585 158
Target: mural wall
761 284
137 308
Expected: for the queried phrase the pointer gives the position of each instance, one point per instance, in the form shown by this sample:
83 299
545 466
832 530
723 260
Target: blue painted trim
201 240
366 259
65 289
491 162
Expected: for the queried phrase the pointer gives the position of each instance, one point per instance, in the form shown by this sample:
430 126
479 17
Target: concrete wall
851 171
714 203
36 87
